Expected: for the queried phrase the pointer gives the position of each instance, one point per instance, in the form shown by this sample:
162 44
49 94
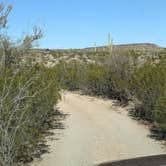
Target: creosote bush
28 95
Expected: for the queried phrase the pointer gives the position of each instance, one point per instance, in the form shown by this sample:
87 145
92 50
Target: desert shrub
28 95
160 116
27 110
148 85
70 74
120 71
108 78
94 80
41 111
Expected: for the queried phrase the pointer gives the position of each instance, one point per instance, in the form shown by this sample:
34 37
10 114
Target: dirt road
97 131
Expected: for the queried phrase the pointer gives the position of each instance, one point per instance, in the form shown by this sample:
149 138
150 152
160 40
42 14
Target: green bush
27 110
148 85
108 80
28 95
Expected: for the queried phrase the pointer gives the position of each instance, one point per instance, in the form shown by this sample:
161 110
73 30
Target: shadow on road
159 160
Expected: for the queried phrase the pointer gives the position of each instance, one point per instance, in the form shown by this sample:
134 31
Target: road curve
97 131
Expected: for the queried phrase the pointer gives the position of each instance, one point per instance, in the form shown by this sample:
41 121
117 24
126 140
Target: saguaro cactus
95 47
110 42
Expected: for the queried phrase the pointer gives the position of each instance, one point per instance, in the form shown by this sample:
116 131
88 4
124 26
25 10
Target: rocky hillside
135 46
52 56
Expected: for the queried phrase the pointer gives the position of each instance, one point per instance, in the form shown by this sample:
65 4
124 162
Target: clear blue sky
80 23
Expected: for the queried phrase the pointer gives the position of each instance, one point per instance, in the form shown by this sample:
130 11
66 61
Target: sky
81 23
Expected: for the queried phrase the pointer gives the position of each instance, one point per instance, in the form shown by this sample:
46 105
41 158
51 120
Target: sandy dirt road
97 131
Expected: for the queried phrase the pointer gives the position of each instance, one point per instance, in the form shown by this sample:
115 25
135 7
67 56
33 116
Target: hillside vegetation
138 76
